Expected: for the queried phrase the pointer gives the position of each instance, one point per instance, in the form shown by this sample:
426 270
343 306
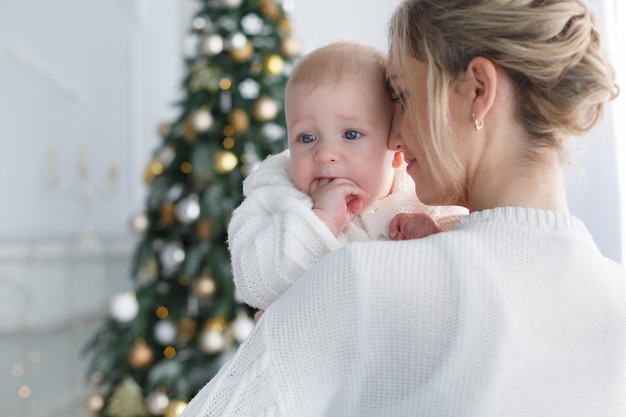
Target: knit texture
512 313
274 236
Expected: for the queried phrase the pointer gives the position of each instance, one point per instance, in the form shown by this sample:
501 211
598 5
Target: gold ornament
175 408
189 132
186 330
241 55
224 162
284 25
154 169
94 403
203 78
264 109
269 8
126 400
204 286
185 167
168 213
204 229
140 355
273 65
290 46
238 119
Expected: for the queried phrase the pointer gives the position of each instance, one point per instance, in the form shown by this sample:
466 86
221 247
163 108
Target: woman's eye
351 134
307 138
400 98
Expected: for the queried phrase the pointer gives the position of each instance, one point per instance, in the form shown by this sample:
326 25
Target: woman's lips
410 162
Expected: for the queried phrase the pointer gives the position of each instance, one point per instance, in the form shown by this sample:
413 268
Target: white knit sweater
274 236
512 313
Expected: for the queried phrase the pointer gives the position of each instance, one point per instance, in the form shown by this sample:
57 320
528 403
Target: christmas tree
168 337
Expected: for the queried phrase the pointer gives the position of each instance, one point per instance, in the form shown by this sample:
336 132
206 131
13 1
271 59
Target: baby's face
341 131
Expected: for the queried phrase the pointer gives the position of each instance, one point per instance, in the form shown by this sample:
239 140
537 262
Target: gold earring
478 124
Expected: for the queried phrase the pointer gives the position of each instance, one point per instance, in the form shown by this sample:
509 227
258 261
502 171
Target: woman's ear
483 76
398 159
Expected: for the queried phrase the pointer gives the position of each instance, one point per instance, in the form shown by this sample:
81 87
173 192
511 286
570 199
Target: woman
514 312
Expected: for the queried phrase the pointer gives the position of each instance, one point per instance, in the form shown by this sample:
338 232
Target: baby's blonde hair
550 50
330 63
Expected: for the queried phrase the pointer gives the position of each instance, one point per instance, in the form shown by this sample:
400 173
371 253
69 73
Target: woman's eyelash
400 98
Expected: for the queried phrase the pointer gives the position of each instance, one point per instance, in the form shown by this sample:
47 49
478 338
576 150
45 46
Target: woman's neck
532 185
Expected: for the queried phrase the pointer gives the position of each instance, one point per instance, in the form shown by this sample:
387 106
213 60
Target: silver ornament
166 155
227 23
157 403
188 210
231 4
171 256
174 192
165 332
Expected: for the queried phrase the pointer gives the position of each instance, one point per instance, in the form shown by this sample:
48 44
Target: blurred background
85 86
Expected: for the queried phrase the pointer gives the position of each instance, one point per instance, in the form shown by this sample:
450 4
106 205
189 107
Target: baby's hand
406 226
336 201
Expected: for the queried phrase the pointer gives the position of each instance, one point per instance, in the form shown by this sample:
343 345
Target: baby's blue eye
307 138
351 134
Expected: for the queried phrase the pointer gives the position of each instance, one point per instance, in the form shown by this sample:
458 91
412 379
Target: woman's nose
395 139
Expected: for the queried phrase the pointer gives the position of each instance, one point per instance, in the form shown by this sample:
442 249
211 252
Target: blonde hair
330 63
549 49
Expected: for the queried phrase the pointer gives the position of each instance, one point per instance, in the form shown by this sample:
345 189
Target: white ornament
199 23
139 223
237 40
165 332
242 326
211 341
252 24
273 131
124 307
212 44
249 89
201 120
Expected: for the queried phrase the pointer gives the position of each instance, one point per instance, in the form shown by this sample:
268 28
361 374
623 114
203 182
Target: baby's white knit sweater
513 313
274 236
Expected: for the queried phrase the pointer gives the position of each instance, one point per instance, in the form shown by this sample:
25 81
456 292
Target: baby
338 182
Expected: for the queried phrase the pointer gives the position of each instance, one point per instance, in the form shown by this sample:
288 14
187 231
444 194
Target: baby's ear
398 159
